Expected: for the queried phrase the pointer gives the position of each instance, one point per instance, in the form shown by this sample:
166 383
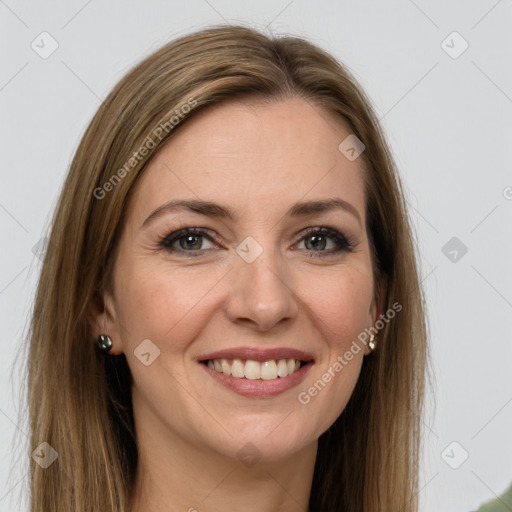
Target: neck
176 475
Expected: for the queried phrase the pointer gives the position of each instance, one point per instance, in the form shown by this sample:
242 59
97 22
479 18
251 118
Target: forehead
258 157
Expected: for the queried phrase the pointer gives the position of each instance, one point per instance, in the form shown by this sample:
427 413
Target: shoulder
501 504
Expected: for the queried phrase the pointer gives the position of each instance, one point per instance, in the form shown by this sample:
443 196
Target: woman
229 313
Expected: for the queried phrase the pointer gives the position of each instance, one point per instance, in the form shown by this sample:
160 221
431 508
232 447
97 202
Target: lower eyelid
338 246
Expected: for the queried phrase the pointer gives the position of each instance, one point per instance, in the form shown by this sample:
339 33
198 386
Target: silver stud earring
104 343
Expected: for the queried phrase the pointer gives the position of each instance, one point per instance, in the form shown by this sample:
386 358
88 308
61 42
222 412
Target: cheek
340 301
162 302
340 305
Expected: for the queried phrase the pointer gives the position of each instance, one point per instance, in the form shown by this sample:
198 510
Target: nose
261 293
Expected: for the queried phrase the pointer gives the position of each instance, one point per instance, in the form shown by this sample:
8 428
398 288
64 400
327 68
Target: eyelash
344 243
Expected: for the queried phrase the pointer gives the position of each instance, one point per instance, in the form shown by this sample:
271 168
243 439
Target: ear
375 310
103 320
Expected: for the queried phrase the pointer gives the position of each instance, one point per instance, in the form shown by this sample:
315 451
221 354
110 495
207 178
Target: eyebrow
210 209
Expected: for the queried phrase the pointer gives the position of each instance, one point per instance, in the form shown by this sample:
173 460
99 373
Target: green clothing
502 504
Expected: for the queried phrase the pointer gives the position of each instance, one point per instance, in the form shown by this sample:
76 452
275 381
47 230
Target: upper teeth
254 369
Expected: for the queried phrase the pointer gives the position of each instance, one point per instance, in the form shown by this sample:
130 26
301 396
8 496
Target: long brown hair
80 402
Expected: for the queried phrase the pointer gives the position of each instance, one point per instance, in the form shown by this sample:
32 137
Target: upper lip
258 354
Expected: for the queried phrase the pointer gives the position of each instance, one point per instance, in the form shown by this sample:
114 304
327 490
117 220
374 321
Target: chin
268 441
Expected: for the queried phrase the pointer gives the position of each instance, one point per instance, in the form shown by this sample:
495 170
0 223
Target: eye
321 241
317 240
188 240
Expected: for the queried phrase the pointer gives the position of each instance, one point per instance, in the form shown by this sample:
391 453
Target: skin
259 159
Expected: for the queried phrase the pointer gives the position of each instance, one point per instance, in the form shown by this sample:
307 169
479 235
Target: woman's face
257 281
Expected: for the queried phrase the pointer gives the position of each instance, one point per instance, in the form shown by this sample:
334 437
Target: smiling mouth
255 370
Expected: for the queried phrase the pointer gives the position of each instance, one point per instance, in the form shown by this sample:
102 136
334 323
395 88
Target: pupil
192 245
317 241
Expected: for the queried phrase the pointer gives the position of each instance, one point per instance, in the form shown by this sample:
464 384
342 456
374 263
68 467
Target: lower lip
259 388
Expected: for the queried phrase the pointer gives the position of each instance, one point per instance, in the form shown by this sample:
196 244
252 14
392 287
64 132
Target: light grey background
448 121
